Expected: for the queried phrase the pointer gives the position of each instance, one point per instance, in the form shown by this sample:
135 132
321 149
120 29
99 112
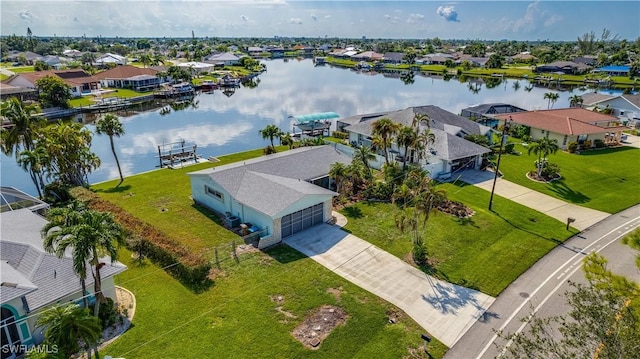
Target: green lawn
606 180
145 195
486 252
238 317
120 93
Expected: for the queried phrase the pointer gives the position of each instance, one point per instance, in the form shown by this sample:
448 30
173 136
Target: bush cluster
189 268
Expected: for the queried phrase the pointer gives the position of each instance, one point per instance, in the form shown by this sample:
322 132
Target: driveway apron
443 309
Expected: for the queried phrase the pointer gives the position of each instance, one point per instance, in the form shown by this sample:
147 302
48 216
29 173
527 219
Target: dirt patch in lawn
336 292
317 326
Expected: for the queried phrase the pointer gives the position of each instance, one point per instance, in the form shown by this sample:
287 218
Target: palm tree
111 126
407 138
386 129
90 234
552 97
286 139
364 154
21 132
34 162
65 326
145 59
338 171
270 132
543 147
575 101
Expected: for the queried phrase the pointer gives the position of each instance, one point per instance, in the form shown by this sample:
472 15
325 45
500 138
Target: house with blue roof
614 70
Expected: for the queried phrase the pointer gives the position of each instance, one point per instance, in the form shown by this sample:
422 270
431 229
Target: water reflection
224 123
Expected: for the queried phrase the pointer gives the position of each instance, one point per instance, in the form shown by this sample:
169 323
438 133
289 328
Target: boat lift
176 152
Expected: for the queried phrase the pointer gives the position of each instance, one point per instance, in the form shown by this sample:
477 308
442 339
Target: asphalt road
541 288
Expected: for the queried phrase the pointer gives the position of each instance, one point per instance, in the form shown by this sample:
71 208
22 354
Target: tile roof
70 77
274 182
125 72
21 250
567 121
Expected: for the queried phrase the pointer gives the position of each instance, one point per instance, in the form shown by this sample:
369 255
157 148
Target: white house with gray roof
278 194
624 106
32 279
450 151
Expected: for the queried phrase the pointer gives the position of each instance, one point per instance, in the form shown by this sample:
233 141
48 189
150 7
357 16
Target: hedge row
189 268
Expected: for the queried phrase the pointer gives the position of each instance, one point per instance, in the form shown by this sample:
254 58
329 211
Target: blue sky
491 20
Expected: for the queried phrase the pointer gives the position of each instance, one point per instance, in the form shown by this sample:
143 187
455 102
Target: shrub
586 144
269 150
572 147
419 252
598 143
108 313
508 148
341 135
550 170
189 268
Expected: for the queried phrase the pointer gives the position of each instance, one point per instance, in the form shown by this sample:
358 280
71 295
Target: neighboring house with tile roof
450 151
568 125
79 81
626 106
278 194
33 280
132 77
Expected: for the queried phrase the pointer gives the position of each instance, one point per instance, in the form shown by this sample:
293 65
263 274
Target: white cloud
314 17
415 17
533 19
26 15
295 20
448 12
390 18
327 16
244 18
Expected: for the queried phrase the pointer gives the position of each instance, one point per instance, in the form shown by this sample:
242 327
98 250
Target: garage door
303 219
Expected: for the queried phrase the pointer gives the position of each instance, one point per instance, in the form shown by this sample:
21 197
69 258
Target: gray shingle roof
493 108
593 98
451 147
21 249
272 183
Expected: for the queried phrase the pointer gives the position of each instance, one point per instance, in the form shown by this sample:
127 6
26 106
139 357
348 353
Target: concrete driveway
632 141
445 310
552 207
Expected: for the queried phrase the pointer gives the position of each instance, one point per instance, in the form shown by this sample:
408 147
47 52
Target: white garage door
303 219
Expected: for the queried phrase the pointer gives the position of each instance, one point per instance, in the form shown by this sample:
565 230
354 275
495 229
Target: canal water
221 123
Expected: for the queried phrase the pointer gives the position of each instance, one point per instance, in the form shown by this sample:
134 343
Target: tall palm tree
270 132
424 140
66 325
406 139
91 235
145 59
552 97
34 162
575 101
543 147
364 155
338 171
21 131
386 129
111 126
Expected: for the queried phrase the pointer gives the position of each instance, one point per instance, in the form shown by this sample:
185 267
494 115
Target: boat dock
174 153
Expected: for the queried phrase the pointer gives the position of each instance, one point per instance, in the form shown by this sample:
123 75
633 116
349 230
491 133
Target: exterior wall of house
22 321
564 141
621 108
328 207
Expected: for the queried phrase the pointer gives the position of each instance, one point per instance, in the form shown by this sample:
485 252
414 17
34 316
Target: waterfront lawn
241 317
606 180
146 195
120 93
486 252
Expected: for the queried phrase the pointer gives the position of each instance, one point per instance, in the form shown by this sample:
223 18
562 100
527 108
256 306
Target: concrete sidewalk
445 310
552 207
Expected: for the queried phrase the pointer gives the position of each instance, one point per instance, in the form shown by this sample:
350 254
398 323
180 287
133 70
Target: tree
286 139
69 324
603 322
53 92
552 97
21 132
29 39
406 139
90 234
575 101
111 126
41 66
145 59
386 129
68 149
338 171
34 162
495 61
364 155
88 58
270 132
542 147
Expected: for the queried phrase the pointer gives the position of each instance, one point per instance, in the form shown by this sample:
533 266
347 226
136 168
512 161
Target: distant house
197 67
566 67
367 56
131 77
614 70
523 58
485 114
275 51
30 57
436 59
393 57
79 81
255 51
33 280
569 125
625 106
22 93
110 58
224 59
275 195
73 53
449 153
587 60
